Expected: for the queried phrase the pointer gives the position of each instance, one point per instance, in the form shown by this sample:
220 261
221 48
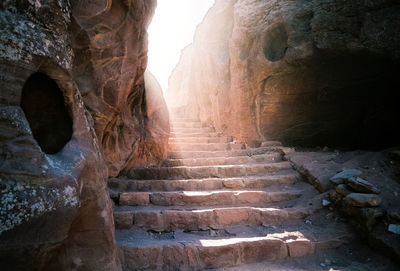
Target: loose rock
360 185
394 228
326 202
362 200
344 175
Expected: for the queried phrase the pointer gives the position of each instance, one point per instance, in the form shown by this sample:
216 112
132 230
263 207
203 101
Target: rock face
109 40
58 59
152 146
307 73
362 200
54 204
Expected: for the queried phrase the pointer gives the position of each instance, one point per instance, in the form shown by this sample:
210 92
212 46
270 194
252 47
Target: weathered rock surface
152 146
344 176
394 228
370 223
310 73
55 212
58 58
109 40
316 168
362 200
361 185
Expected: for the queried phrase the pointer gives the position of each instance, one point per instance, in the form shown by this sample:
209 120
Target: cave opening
45 109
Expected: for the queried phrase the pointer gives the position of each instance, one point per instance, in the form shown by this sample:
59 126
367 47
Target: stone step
186 124
259 158
271 143
204 198
204 146
216 139
164 219
193 130
197 172
195 134
188 251
230 153
120 185
177 119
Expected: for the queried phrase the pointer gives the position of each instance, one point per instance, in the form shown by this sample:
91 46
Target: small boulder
344 175
326 202
394 228
362 200
360 185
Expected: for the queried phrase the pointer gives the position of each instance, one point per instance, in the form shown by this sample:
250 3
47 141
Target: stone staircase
214 203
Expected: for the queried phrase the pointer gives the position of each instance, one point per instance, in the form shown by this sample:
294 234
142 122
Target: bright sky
171 29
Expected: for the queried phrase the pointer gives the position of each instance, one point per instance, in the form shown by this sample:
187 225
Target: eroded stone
361 185
362 200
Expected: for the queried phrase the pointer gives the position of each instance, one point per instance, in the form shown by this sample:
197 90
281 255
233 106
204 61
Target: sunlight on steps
213 203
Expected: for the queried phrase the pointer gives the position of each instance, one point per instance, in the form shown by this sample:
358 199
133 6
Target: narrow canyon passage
199 135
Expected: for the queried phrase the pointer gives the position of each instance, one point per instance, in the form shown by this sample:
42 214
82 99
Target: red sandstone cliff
307 73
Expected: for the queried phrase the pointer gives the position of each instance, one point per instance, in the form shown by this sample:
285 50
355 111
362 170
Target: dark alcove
44 107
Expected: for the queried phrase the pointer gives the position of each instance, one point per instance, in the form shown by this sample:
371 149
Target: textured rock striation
151 147
109 40
307 73
74 109
54 205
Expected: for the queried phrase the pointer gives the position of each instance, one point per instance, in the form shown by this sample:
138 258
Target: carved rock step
206 154
217 139
193 134
193 130
200 250
204 198
204 146
230 153
197 172
202 184
162 219
173 118
260 158
186 124
203 253
270 143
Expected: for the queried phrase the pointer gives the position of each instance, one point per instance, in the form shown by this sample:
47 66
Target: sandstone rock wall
73 110
54 207
109 39
307 73
151 146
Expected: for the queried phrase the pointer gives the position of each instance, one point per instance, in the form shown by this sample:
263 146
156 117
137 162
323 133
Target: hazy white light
171 29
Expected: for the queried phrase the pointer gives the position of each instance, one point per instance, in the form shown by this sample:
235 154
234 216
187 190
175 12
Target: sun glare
171 29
